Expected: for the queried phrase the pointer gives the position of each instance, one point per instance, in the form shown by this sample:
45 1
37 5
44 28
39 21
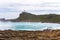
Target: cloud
34 6
51 4
16 7
9 15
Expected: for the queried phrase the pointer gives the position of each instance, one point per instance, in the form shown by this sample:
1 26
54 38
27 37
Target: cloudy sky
10 9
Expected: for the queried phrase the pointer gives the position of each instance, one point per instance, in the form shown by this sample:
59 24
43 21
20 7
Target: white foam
5 25
28 25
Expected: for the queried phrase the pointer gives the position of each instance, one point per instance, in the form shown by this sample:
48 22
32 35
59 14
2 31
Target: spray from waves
28 26
5 25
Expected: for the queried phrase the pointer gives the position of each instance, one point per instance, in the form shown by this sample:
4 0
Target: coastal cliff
28 17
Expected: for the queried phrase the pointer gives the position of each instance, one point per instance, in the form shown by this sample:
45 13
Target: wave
28 26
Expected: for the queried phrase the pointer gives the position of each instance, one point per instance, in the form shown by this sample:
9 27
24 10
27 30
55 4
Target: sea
28 26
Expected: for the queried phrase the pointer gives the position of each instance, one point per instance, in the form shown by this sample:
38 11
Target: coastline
29 17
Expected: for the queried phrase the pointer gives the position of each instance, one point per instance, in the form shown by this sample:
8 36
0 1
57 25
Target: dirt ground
30 35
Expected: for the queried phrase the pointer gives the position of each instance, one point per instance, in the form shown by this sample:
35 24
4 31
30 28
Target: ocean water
28 26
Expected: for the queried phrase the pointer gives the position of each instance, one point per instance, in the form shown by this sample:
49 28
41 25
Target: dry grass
30 35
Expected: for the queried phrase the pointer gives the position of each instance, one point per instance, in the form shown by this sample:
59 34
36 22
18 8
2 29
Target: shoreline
28 17
32 21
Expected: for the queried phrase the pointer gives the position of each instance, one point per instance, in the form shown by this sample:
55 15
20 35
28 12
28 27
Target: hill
28 17
30 35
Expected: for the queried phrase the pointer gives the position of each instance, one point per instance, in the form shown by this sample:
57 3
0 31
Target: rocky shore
30 35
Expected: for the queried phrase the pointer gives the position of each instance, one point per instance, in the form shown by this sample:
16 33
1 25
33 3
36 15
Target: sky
10 9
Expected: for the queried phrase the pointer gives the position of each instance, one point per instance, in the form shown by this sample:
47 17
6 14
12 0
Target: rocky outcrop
30 35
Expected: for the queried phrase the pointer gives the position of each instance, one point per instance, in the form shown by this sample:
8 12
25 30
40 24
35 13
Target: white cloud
9 15
13 7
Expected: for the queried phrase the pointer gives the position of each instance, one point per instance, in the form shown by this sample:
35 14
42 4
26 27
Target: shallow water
28 26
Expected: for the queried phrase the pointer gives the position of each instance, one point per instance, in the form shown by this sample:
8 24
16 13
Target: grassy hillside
25 16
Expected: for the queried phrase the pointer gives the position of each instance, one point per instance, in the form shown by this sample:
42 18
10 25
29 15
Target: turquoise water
28 26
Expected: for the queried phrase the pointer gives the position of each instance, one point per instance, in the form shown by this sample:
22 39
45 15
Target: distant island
28 17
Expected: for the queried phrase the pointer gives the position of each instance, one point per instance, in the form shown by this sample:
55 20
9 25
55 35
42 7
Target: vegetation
25 16
47 34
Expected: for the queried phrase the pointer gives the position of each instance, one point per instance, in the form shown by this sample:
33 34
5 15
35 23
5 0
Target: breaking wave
28 25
